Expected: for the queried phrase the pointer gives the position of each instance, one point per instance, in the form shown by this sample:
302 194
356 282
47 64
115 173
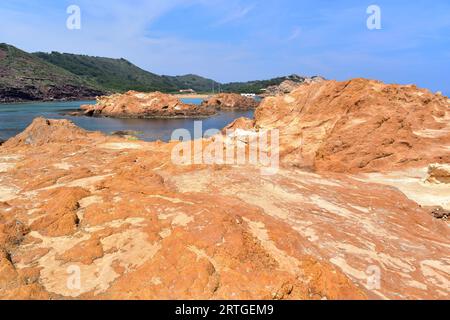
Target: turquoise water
14 118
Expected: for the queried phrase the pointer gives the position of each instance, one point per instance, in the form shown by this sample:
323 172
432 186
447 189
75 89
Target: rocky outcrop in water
145 105
231 102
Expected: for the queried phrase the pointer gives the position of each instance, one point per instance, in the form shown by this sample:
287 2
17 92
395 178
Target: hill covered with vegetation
121 75
65 76
25 77
257 85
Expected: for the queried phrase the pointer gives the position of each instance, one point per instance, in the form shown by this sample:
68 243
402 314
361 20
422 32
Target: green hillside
25 77
122 75
192 81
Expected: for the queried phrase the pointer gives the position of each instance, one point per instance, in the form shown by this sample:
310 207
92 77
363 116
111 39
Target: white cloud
296 32
237 14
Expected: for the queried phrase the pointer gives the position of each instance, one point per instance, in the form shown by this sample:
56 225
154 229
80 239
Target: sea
14 118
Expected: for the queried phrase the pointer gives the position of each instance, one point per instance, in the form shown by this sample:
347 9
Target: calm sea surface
14 118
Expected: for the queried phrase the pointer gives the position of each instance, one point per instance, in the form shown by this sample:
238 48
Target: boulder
43 131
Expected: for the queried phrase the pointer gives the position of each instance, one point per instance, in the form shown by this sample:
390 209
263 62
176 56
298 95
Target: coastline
180 96
43 101
191 96
150 117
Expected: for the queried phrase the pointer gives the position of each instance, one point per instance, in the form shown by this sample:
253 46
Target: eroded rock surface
358 126
230 101
133 225
241 123
145 105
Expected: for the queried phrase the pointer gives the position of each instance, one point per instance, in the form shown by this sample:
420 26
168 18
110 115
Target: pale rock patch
285 262
134 251
5 167
121 146
63 166
412 183
8 193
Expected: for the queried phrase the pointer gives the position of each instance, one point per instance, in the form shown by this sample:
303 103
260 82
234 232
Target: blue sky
235 40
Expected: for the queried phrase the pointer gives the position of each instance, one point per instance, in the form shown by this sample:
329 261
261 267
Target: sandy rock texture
134 104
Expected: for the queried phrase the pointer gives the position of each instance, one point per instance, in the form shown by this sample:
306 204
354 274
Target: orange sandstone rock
85 252
240 123
136 226
59 214
134 104
358 125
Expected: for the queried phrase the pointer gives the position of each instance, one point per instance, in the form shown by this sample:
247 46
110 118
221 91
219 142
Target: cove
14 118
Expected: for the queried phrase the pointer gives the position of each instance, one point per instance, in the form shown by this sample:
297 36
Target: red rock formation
43 131
359 125
145 105
148 229
230 101
137 226
59 216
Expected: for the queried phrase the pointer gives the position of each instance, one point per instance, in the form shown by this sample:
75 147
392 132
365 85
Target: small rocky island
133 104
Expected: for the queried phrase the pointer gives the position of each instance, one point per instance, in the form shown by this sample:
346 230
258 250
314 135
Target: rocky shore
362 163
26 78
62 93
134 104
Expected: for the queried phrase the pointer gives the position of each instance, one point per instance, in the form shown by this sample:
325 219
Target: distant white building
250 95
187 91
